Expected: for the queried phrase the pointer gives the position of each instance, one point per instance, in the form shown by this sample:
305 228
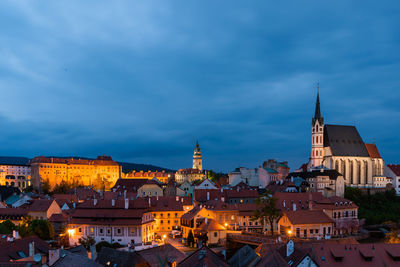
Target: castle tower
197 158
317 135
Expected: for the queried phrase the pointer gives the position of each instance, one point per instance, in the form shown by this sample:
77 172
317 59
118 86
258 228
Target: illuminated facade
161 176
196 173
15 175
100 173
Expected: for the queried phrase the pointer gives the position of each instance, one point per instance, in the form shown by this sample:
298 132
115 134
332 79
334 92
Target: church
340 147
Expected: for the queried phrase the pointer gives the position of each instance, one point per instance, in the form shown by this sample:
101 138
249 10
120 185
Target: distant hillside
14 160
126 166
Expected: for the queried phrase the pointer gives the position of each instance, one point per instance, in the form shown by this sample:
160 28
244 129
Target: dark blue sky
141 80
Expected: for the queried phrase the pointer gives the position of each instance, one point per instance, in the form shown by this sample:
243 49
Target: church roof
344 141
373 151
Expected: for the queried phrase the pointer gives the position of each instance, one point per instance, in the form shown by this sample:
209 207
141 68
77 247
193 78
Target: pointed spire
197 147
317 116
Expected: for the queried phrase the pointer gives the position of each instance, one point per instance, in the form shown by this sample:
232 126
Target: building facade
101 173
393 171
124 221
16 175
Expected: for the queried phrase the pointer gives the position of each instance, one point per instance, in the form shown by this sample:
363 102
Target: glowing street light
71 232
289 232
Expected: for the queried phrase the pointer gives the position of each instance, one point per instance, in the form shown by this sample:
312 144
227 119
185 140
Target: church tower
197 158
317 133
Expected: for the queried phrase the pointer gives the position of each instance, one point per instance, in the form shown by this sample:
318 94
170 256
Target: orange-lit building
102 172
161 176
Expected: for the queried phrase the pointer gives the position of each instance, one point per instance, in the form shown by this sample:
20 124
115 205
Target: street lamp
71 232
289 232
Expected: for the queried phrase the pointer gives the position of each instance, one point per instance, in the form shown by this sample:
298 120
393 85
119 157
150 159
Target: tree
41 228
266 210
7 227
45 185
87 242
190 238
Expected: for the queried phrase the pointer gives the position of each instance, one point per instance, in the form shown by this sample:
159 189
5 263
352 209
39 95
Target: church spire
317 116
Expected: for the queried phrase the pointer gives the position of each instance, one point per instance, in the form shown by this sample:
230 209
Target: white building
393 171
16 175
253 177
206 184
125 221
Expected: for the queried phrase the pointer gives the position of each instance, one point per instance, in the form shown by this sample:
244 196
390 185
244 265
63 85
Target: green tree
7 227
87 242
190 238
45 185
41 228
266 210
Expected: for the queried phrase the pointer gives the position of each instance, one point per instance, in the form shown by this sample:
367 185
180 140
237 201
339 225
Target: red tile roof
372 150
69 197
101 160
41 204
131 185
152 255
377 254
395 169
308 217
203 257
9 250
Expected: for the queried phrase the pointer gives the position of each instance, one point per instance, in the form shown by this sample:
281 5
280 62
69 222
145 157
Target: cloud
143 80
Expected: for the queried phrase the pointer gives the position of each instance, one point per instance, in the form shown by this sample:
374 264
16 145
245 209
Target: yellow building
306 224
101 173
149 189
161 176
167 212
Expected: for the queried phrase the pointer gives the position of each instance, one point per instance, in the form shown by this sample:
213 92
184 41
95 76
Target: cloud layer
142 80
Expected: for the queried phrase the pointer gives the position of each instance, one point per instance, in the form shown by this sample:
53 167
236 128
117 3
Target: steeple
317 116
197 158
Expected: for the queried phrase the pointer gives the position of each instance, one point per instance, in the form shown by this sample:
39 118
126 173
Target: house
305 224
328 182
167 212
128 222
43 209
203 257
215 232
149 189
15 215
17 201
206 184
166 253
84 193
187 189
393 171
245 256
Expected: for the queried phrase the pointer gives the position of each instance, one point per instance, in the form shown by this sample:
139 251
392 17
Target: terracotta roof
13 212
41 204
377 254
9 250
131 185
139 203
191 213
244 193
148 174
68 197
308 217
152 255
101 160
372 150
394 168
211 225
169 203
58 218
112 257
84 193
201 194
203 257
286 200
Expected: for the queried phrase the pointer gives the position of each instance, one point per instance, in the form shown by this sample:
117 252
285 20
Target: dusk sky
142 80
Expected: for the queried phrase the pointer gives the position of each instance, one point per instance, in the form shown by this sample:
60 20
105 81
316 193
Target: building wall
15 175
86 174
312 230
166 221
396 179
149 190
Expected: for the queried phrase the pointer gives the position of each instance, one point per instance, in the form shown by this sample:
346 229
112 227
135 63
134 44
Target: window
215 234
311 231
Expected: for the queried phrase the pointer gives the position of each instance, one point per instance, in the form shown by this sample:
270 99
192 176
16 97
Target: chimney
208 195
15 234
74 205
113 202
294 206
31 249
149 201
125 193
222 190
94 201
222 199
206 220
157 198
284 203
177 198
126 203
54 255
